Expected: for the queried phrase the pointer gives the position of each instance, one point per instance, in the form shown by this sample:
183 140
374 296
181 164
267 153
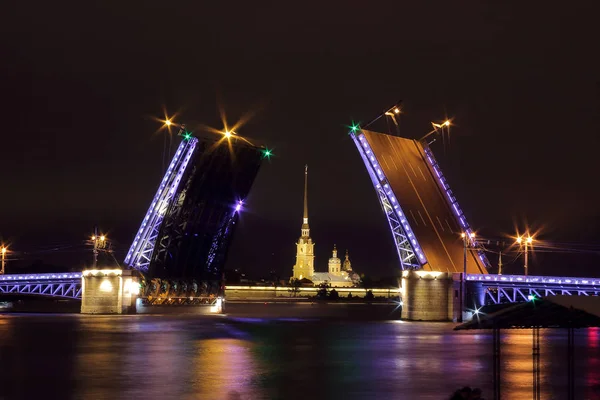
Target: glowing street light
99 242
465 236
3 250
527 242
392 113
168 122
443 124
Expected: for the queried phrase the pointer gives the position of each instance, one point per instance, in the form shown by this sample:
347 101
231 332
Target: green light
187 136
267 153
354 127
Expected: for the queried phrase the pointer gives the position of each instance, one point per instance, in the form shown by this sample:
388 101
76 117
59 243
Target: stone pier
427 296
109 291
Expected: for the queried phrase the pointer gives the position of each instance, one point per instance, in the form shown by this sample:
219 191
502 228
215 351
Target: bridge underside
429 210
199 223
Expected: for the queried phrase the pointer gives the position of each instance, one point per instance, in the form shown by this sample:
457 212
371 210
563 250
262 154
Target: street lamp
445 124
526 241
3 250
463 288
99 242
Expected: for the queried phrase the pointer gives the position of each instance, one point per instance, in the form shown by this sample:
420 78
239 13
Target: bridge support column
427 296
109 291
475 295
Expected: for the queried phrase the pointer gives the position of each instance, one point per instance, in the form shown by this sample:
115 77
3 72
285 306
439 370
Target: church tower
347 265
305 248
335 265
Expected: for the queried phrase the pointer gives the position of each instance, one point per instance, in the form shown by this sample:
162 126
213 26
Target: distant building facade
338 275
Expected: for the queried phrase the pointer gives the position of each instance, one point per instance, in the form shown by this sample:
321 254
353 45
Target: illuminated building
305 248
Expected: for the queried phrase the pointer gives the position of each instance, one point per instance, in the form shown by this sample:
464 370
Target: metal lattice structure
406 243
518 288
142 248
199 224
189 224
60 285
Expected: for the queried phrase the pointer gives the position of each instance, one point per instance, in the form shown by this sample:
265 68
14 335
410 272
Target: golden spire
305 194
305 228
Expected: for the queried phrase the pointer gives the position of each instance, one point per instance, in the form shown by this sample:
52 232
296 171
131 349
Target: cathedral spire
306 194
305 228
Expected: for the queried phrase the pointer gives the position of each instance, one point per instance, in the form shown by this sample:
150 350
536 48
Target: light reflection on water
187 357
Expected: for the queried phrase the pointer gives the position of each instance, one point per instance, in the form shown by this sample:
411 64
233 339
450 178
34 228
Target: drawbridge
424 217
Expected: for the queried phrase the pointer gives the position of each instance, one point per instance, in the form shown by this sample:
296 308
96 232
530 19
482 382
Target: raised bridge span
423 214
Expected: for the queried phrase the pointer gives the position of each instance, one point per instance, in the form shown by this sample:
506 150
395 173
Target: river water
227 357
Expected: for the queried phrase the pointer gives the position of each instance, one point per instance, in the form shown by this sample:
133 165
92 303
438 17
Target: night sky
81 82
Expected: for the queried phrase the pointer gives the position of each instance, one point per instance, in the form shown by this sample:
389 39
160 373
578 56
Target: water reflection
224 369
187 357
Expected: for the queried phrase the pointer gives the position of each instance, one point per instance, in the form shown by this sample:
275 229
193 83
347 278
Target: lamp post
3 251
527 241
98 242
463 281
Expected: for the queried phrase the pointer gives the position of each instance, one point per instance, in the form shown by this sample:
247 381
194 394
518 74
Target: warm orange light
3 250
396 110
227 134
519 239
447 123
529 239
462 235
472 235
102 238
168 122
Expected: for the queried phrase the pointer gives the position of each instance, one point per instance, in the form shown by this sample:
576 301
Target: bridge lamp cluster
526 240
393 111
443 124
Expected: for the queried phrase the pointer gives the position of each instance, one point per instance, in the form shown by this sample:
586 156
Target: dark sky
81 81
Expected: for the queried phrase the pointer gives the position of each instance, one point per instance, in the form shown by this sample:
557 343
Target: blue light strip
42 277
546 280
381 185
140 252
452 201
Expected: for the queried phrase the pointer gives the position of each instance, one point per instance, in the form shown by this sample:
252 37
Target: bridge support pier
427 296
109 291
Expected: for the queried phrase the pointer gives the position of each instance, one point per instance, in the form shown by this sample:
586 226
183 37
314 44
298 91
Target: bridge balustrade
519 288
62 285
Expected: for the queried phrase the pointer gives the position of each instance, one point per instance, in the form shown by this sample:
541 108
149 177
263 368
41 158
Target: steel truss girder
499 295
142 248
409 252
62 289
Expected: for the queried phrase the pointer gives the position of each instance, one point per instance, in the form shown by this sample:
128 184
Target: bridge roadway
432 213
498 288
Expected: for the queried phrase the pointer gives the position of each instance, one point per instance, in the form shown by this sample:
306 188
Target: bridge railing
40 277
63 285
519 288
545 280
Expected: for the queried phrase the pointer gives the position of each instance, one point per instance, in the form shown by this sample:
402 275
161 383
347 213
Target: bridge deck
425 205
